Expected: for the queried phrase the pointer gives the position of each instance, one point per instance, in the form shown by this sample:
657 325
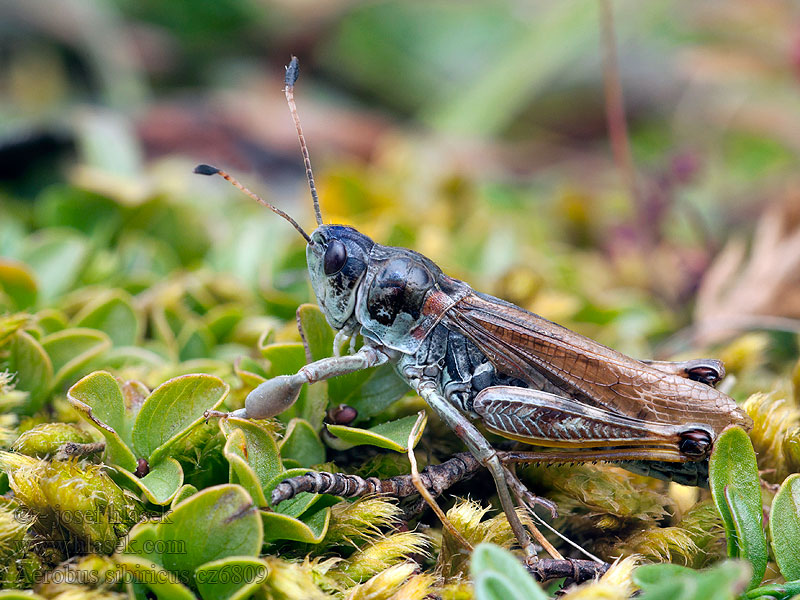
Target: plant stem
615 104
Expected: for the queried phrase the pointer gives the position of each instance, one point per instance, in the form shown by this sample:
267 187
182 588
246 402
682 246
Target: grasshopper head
337 262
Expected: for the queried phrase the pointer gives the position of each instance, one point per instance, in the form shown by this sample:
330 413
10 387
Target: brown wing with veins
527 346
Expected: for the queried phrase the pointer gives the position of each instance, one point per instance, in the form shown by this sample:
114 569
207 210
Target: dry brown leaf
759 289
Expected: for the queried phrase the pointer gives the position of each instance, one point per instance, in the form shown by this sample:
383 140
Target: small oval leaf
499 575
34 370
142 541
241 472
114 314
215 523
161 582
302 444
57 257
723 581
734 482
18 283
232 578
71 350
161 484
392 435
182 494
98 399
260 450
784 527
172 410
310 528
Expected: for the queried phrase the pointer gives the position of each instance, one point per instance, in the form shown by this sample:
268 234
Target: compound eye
695 443
335 257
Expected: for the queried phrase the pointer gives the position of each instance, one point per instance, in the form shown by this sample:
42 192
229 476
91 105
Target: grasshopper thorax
395 295
338 257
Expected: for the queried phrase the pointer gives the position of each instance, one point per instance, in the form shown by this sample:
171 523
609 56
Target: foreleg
279 393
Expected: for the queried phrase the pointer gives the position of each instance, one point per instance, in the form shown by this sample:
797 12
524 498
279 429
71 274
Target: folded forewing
523 344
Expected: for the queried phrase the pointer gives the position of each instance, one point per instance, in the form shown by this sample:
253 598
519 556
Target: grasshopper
473 357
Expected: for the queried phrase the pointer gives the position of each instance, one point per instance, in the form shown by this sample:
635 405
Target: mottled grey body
523 377
461 372
456 365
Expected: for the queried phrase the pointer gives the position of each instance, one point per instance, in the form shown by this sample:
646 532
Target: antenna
292 72
209 170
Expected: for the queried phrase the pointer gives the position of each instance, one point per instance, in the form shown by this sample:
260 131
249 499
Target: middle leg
484 453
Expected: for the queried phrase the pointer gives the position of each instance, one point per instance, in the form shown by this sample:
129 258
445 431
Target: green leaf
114 314
72 349
182 494
302 444
235 451
316 331
33 367
159 323
162 482
250 450
212 524
161 582
369 391
99 400
499 575
131 356
18 283
787 590
142 541
57 257
284 358
232 578
194 341
735 487
51 320
750 534
222 320
784 527
310 528
250 371
257 448
256 465
172 410
94 215
381 388
724 581
392 435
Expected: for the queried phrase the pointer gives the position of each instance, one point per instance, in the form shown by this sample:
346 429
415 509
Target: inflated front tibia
273 396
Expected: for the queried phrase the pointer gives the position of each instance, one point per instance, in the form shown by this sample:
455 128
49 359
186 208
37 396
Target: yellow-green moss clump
71 499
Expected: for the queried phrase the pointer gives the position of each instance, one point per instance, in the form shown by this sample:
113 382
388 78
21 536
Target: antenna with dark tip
292 71
209 170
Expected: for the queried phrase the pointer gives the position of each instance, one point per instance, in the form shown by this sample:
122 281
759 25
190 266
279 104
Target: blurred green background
474 132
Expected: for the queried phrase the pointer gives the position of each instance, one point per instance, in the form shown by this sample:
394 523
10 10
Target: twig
615 104
70 449
436 478
576 569
423 491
